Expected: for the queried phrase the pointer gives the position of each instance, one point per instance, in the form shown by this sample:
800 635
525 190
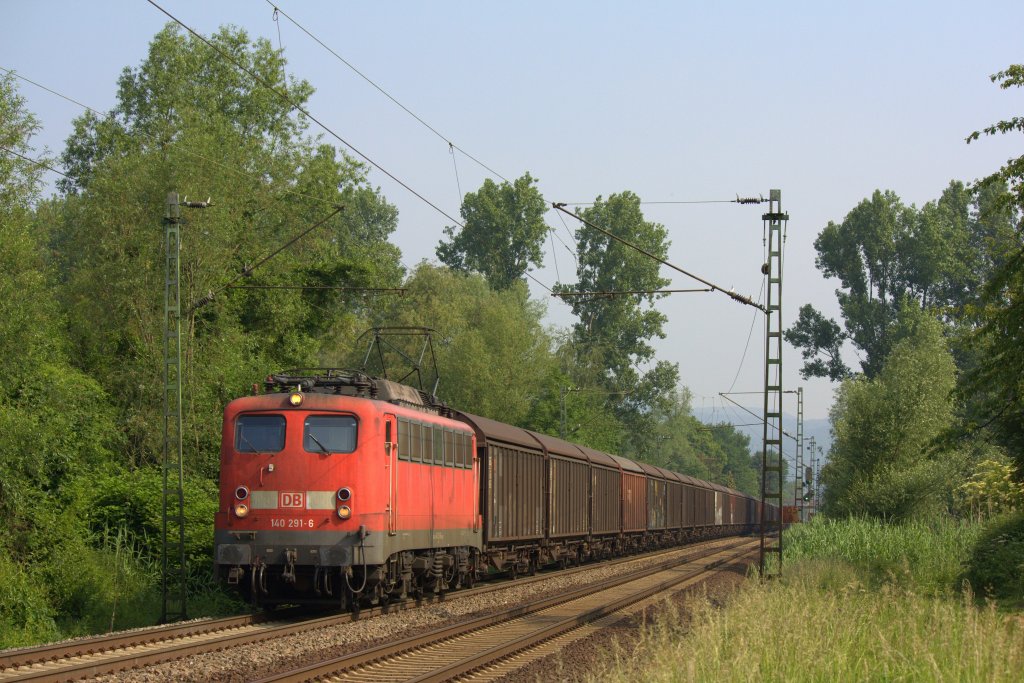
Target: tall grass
821 623
858 600
928 558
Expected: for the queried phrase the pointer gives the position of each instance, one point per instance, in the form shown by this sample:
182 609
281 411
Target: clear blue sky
674 101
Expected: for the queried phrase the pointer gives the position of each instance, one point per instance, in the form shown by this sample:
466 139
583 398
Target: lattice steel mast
771 451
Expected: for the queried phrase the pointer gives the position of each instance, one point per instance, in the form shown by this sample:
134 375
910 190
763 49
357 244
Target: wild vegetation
859 599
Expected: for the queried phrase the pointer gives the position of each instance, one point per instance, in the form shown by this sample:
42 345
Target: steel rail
28 656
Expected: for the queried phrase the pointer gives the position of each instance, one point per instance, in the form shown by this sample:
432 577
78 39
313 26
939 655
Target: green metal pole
175 570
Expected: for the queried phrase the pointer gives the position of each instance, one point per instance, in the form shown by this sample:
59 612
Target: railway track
89 657
478 646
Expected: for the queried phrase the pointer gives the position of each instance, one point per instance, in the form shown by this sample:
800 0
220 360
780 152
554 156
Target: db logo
291 499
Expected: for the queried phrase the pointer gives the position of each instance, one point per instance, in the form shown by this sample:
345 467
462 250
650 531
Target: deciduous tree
503 234
881 462
612 333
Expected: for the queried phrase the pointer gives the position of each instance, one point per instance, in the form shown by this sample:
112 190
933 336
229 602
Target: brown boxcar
634 495
605 493
719 504
512 482
657 497
689 501
568 487
675 498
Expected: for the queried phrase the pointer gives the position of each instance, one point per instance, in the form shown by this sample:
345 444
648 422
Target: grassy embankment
858 601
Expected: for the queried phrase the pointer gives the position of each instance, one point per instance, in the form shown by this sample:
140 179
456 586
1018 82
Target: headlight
295 399
344 511
241 510
241 493
344 494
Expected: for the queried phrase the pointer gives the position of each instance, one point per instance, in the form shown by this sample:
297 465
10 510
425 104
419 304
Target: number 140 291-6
278 523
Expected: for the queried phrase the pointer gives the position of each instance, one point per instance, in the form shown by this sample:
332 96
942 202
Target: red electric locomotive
345 486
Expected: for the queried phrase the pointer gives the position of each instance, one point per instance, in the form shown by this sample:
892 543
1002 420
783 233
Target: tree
815 335
882 462
612 333
55 420
995 381
187 120
886 255
503 234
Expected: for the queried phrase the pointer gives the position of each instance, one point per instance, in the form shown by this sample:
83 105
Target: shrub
996 566
26 616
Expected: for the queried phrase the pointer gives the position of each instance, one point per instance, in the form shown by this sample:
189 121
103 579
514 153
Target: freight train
341 488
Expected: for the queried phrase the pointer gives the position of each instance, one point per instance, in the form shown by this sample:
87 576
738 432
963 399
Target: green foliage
187 121
1012 172
924 557
880 464
26 615
814 335
133 501
993 386
503 234
992 489
996 565
888 256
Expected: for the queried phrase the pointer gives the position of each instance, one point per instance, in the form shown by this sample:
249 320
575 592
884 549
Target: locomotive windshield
259 433
329 434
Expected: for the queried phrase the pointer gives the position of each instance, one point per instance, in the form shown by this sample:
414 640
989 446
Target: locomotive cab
311 507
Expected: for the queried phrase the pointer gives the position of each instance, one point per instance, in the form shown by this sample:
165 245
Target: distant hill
818 428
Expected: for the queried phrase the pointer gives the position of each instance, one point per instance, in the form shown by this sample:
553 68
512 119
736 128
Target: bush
26 616
996 566
116 499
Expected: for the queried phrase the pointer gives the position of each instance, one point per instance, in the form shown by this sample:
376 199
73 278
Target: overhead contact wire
386 94
34 161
